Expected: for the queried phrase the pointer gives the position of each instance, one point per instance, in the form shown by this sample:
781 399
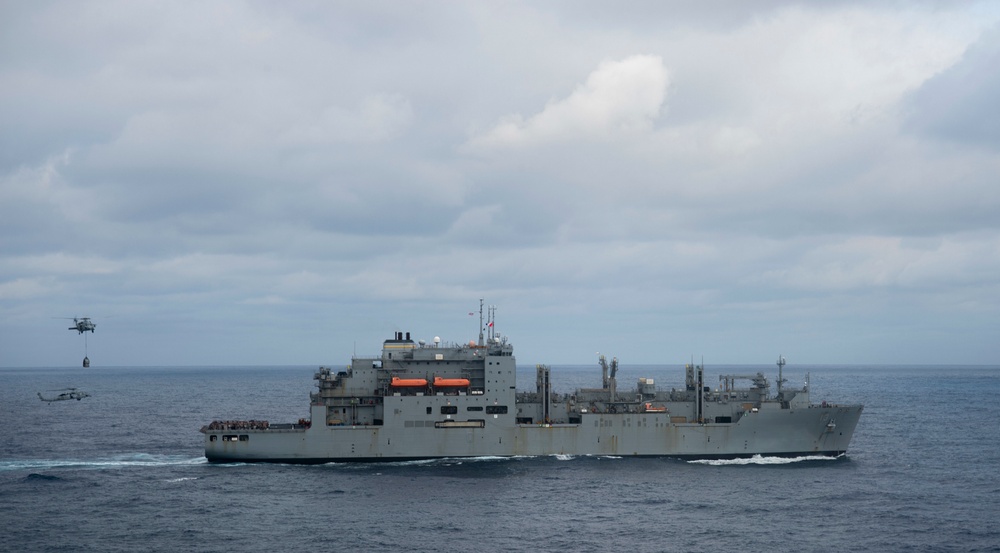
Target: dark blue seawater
123 470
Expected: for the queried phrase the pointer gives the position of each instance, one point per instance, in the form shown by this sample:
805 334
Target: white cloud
959 103
27 288
619 97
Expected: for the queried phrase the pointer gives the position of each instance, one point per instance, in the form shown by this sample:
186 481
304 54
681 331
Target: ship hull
769 432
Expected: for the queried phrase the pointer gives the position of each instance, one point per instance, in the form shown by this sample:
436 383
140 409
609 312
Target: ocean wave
117 461
184 479
758 460
438 461
41 477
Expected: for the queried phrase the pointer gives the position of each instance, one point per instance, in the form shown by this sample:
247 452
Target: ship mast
480 321
781 365
612 383
490 322
609 382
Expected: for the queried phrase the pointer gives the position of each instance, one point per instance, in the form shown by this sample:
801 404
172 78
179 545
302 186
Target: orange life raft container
451 382
408 382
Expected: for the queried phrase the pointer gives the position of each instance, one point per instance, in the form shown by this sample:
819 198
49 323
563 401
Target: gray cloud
959 104
265 183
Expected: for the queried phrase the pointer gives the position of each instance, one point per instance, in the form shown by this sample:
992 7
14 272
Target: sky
290 183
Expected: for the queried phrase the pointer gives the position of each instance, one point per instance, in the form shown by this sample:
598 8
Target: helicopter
82 324
68 394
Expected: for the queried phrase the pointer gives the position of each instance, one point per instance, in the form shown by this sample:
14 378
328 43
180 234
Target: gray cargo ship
424 401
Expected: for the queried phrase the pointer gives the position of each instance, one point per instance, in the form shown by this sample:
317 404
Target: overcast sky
284 183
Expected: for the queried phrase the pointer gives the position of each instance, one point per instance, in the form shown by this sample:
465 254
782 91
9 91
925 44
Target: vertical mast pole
480 321
781 365
491 323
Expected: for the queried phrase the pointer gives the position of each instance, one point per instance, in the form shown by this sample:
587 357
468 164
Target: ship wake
760 460
117 461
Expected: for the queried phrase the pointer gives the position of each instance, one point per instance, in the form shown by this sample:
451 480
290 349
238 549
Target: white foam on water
758 460
118 461
445 461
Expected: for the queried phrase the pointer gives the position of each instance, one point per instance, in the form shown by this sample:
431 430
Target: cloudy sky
229 183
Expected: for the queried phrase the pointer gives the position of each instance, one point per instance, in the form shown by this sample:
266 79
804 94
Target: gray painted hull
772 432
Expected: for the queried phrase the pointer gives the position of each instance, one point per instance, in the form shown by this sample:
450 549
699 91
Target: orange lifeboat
650 408
408 382
451 382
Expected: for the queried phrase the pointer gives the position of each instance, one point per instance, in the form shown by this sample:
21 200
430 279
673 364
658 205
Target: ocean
123 470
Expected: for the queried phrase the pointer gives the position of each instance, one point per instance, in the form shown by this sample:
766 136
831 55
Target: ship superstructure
419 401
